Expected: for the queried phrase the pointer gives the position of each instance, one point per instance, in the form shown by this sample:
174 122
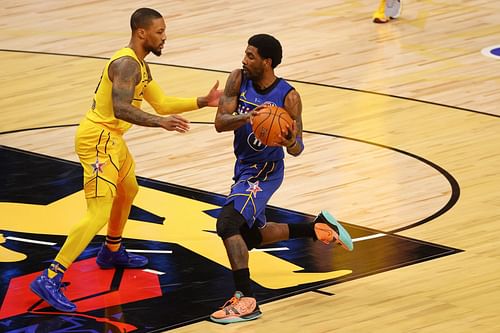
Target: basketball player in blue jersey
110 184
259 172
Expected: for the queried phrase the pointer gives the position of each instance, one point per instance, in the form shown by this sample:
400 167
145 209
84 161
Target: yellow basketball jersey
101 111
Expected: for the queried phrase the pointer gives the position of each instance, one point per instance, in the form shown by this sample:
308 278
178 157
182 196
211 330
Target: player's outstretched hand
175 123
212 98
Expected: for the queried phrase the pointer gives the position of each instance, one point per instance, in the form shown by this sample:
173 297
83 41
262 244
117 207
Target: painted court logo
91 289
492 51
188 275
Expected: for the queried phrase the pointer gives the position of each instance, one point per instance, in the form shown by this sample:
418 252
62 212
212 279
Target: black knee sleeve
229 222
251 236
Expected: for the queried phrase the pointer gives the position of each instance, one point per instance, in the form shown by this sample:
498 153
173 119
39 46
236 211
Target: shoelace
62 286
232 301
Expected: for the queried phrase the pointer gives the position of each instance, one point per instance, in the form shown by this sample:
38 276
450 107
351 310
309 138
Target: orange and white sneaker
237 309
328 230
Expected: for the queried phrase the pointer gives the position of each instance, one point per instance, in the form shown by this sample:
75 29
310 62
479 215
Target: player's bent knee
129 191
251 236
229 222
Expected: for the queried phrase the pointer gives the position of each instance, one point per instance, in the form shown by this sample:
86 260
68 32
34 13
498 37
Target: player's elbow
219 129
118 112
121 110
218 125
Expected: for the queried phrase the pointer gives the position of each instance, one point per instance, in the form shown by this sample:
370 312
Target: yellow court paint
185 224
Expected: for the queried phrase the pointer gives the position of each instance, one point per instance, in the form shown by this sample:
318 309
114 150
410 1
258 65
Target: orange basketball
269 124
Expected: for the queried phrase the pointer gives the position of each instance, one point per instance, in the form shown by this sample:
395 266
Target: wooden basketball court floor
402 135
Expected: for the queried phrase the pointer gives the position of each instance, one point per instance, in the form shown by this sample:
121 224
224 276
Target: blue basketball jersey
246 146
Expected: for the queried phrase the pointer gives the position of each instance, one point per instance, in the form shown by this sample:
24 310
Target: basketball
269 124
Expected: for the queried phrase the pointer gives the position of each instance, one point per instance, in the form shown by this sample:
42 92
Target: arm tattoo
232 87
226 120
126 75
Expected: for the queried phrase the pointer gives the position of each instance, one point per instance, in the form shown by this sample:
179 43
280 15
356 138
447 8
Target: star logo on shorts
254 188
97 166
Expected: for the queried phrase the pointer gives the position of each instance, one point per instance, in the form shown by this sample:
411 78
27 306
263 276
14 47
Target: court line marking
29 240
368 237
153 271
272 249
359 239
19 239
150 251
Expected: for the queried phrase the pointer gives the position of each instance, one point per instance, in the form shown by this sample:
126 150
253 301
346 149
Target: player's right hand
175 123
254 113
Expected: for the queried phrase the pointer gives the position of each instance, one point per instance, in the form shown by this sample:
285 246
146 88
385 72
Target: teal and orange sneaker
120 259
239 308
328 230
50 291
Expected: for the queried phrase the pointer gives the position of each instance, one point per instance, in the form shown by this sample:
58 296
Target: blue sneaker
327 229
50 291
107 259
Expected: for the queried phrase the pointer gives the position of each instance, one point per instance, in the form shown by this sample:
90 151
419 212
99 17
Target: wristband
298 139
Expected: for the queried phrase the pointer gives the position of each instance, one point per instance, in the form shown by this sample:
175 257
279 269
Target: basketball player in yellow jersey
110 184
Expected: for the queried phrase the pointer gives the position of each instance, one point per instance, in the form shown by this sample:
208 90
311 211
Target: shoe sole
251 316
119 266
36 292
380 21
105 265
110 266
345 239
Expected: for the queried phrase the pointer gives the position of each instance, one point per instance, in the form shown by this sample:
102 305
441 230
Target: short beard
156 52
255 76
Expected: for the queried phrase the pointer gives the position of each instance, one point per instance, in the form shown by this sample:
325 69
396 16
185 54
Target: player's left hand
288 135
212 98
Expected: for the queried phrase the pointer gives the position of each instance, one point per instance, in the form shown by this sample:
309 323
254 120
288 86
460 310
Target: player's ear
141 33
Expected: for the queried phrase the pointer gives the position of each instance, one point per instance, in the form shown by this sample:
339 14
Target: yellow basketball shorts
105 159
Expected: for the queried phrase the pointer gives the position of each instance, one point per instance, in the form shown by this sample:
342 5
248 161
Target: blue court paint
492 51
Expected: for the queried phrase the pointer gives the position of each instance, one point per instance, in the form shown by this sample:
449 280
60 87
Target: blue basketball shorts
254 184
